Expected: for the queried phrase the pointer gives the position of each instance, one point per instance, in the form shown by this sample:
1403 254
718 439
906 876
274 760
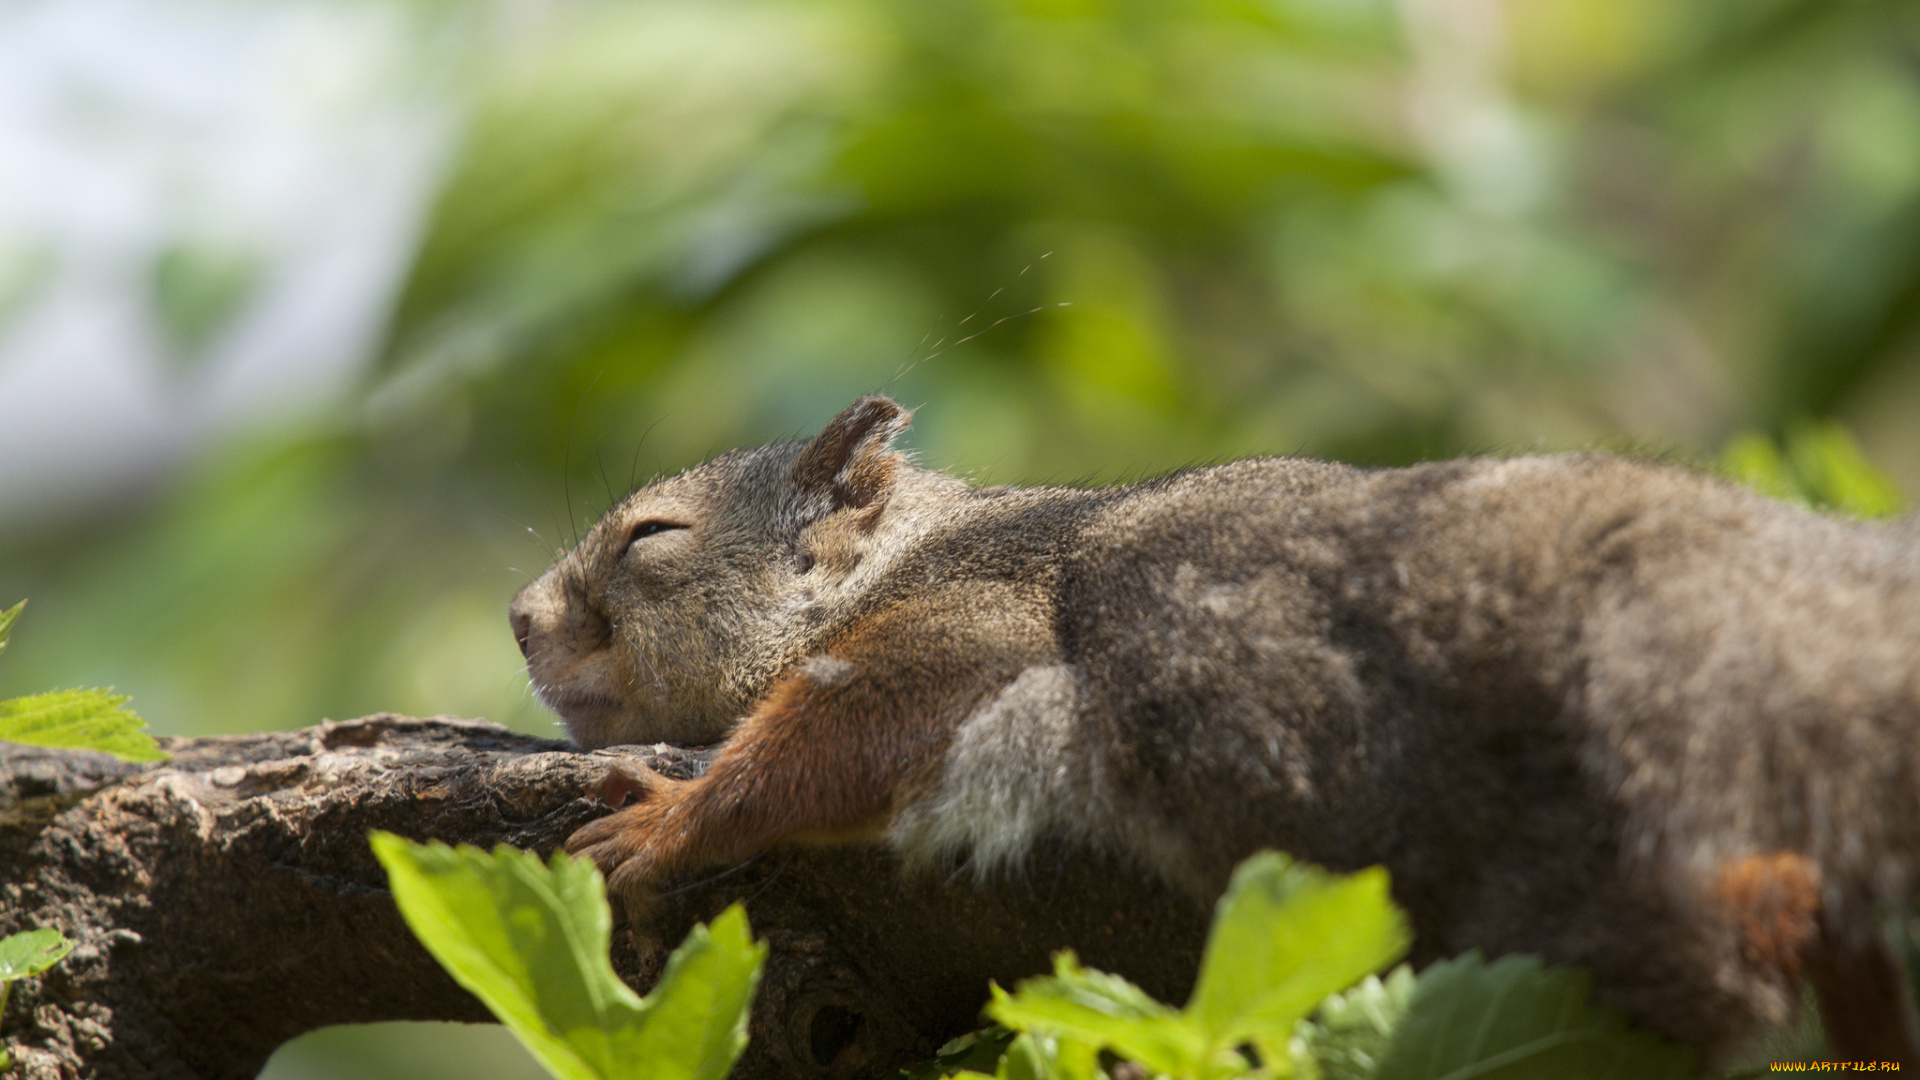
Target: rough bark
226 901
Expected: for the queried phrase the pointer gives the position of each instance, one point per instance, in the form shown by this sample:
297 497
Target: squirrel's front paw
633 846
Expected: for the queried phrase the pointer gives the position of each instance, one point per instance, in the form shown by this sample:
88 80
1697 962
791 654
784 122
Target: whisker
566 459
904 371
701 883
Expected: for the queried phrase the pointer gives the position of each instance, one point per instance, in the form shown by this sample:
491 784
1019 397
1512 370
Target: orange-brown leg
1864 1002
821 762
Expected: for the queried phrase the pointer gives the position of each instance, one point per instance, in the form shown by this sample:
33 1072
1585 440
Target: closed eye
651 527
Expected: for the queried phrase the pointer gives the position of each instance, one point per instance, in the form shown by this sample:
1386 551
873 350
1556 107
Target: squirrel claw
627 844
596 837
617 844
619 848
623 784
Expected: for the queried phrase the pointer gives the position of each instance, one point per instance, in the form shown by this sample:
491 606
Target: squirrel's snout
552 620
522 624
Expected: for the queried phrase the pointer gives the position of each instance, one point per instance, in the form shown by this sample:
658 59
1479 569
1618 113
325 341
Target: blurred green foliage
1089 239
23 268
1822 467
197 290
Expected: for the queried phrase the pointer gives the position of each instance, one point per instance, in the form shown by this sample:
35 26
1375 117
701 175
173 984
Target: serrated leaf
1349 1032
1515 1019
7 618
1102 1010
80 720
530 941
31 952
697 1014
1285 935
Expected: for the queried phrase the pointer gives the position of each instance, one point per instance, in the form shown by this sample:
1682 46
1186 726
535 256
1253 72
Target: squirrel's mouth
579 707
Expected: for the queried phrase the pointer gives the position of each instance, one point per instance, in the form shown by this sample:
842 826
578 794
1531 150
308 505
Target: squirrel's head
678 608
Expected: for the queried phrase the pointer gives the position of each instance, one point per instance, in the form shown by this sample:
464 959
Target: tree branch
226 901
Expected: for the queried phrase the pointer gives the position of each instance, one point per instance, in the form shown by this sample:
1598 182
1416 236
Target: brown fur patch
1775 899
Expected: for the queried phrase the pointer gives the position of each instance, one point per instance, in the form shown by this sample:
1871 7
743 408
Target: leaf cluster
1287 941
1287 988
1284 937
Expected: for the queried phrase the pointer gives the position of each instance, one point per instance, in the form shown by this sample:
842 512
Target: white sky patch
290 136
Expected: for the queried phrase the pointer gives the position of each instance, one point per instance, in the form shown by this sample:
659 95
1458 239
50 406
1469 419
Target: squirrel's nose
522 628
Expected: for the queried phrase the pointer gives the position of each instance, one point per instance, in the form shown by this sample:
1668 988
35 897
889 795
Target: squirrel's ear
852 460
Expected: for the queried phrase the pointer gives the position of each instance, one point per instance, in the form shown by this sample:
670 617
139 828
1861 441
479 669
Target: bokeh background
324 324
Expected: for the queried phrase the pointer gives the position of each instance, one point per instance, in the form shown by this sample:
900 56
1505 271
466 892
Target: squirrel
1619 714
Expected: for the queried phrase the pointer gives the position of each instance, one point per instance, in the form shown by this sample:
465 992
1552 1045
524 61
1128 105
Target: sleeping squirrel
1614 713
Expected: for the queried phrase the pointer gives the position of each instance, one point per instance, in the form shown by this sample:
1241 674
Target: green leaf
7 618
530 940
31 952
1027 1059
1285 936
1822 466
79 719
697 1014
1349 1033
1102 1010
1515 1018
1753 460
1838 475
975 1052
1046 1056
999 1054
25 954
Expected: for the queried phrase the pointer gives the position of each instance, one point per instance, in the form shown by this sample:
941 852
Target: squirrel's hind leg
1775 901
